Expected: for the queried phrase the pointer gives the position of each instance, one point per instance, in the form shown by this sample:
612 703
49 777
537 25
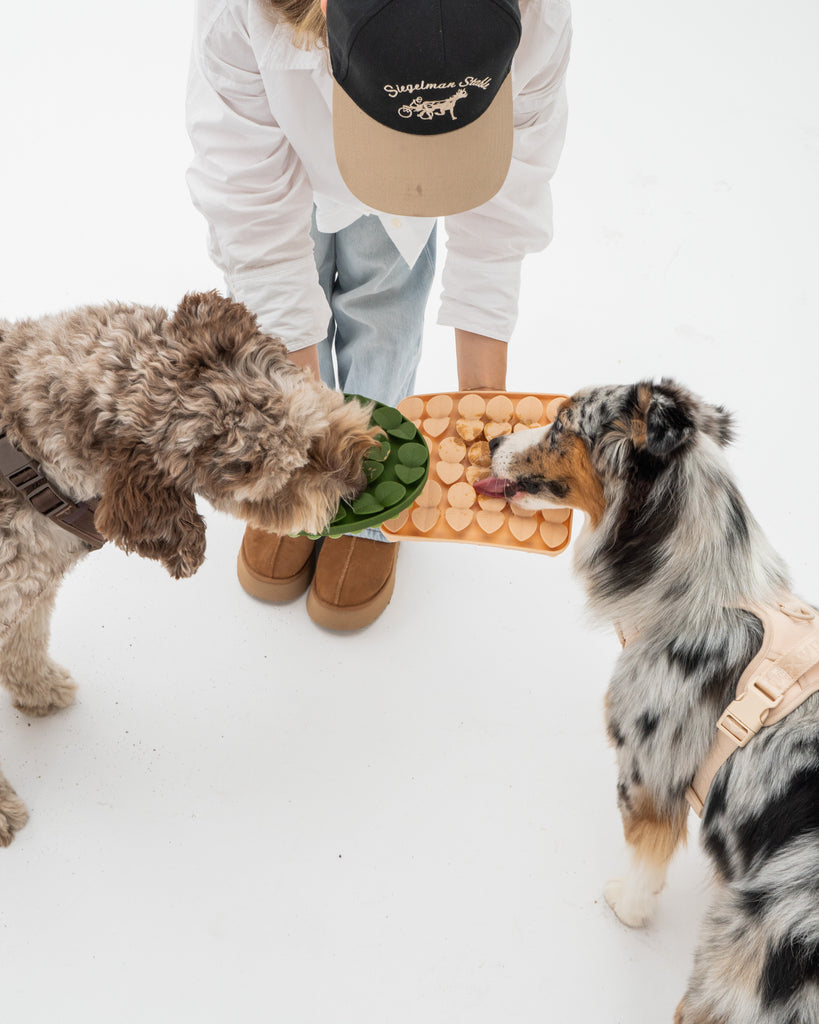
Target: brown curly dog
136 411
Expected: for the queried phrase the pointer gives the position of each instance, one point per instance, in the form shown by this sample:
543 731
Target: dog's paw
52 690
634 907
13 813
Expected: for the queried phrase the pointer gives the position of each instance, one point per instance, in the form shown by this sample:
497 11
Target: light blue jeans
373 343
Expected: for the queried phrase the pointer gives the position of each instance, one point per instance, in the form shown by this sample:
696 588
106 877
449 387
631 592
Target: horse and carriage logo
427 109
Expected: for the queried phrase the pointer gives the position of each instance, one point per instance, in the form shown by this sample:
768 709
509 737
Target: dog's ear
212 326
669 419
143 511
718 423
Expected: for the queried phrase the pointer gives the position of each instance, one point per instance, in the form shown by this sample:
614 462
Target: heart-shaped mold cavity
425 518
405 431
366 504
491 504
434 428
479 454
469 430
449 472
381 451
394 525
474 473
494 430
431 494
372 470
555 515
553 534
490 522
439 406
413 454
458 518
522 513
522 529
554 407
408 474
390 492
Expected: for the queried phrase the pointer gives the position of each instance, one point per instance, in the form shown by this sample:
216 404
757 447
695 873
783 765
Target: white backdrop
246 818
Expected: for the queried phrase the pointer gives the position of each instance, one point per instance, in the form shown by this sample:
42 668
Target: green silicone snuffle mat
396 468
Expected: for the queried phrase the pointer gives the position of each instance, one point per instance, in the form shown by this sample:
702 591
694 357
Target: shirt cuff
287 299
486 301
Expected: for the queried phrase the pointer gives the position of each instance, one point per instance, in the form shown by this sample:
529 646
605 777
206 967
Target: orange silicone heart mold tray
458 427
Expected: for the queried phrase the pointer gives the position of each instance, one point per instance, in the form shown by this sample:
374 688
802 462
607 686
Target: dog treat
479 454
492 430
458 428
396 467
470 430
451 449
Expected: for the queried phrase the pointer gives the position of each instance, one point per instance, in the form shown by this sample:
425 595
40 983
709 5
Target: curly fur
671 549
144 411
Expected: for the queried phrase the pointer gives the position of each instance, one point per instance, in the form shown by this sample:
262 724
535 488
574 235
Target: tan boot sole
276 591
352 618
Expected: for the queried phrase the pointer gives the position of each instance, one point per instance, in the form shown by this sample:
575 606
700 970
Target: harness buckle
745 716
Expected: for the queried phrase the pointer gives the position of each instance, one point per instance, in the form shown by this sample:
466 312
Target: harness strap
784 673
26 477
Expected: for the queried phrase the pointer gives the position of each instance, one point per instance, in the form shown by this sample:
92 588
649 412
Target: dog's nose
494 444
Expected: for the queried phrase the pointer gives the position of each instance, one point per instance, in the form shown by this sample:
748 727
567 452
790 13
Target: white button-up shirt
259 115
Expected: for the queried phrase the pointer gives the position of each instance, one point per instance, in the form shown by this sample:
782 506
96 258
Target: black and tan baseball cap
422 100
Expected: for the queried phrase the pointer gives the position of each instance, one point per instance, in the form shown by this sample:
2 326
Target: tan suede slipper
353 583
275 568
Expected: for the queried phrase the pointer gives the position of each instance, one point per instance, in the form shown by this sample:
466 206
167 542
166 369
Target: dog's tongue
493 485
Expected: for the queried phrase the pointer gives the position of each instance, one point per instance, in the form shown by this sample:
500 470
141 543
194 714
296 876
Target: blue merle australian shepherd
672 556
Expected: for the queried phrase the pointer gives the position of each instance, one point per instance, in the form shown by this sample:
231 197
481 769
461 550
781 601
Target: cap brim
423 175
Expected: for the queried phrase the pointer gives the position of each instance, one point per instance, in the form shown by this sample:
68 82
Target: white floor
247 819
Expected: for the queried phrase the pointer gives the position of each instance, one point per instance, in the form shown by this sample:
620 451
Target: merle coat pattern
672 554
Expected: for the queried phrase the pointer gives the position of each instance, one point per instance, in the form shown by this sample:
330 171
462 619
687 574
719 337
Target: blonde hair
305 18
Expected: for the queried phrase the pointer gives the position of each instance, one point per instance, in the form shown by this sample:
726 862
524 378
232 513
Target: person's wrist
307 358
481 362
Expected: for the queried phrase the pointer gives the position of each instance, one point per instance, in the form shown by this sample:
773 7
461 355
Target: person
299 151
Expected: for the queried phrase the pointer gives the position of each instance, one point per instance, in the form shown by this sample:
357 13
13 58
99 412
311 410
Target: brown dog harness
26 477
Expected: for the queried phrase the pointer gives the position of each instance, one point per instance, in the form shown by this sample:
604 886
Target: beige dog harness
26 477
784 673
